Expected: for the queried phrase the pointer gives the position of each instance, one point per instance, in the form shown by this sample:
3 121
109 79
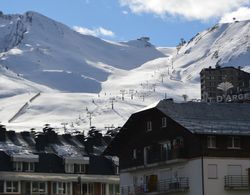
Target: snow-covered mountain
44 55
50 53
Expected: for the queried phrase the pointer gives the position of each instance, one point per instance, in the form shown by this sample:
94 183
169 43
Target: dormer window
69 168
233 142
75 168
17 166
211 142
149 125
80 168
164 122
24 166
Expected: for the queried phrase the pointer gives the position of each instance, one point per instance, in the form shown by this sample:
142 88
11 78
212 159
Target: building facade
185 148
225 84
52 164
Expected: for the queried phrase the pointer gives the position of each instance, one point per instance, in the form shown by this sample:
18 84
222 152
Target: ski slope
80 76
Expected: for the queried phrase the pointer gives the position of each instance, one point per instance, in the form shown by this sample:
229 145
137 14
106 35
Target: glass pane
236 142
82 168
111 189
117 188
54 188
1 186
15 186
68 188
8 186
32 166
103 189
25 166
42 187
64 188
229 142
34 187
84 188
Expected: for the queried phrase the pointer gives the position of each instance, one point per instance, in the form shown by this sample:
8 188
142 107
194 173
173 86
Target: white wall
191 169
216 186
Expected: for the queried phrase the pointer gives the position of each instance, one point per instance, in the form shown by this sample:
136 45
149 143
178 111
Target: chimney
2 133
40 142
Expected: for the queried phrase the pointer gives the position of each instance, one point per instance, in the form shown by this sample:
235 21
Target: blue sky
164 21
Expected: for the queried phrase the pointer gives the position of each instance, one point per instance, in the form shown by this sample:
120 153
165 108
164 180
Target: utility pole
131 92
64 126
89 115
122 91
112 103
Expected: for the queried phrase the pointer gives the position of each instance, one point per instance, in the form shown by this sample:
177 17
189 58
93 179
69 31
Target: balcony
180 184
237 182
164 155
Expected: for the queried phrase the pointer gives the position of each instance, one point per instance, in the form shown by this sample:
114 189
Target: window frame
209 171
232 140
11 187
62 188
69 168
164 122
211 142
149 125
39 185
79 168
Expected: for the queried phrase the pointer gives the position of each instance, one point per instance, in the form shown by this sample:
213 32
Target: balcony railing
180 184
173 185
237 182
164 155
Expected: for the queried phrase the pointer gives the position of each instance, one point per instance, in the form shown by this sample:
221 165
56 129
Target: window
211 142
234 169
164 122
178 143
12 186
1 186
233 142
24 166
134 154
80 168
61 188
17 166
212 171
28 166
114 189
39 187
69 168
149 125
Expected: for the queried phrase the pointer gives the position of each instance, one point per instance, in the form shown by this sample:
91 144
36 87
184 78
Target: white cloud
189 9
241 14
98 32
85 31
125 12
105 32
